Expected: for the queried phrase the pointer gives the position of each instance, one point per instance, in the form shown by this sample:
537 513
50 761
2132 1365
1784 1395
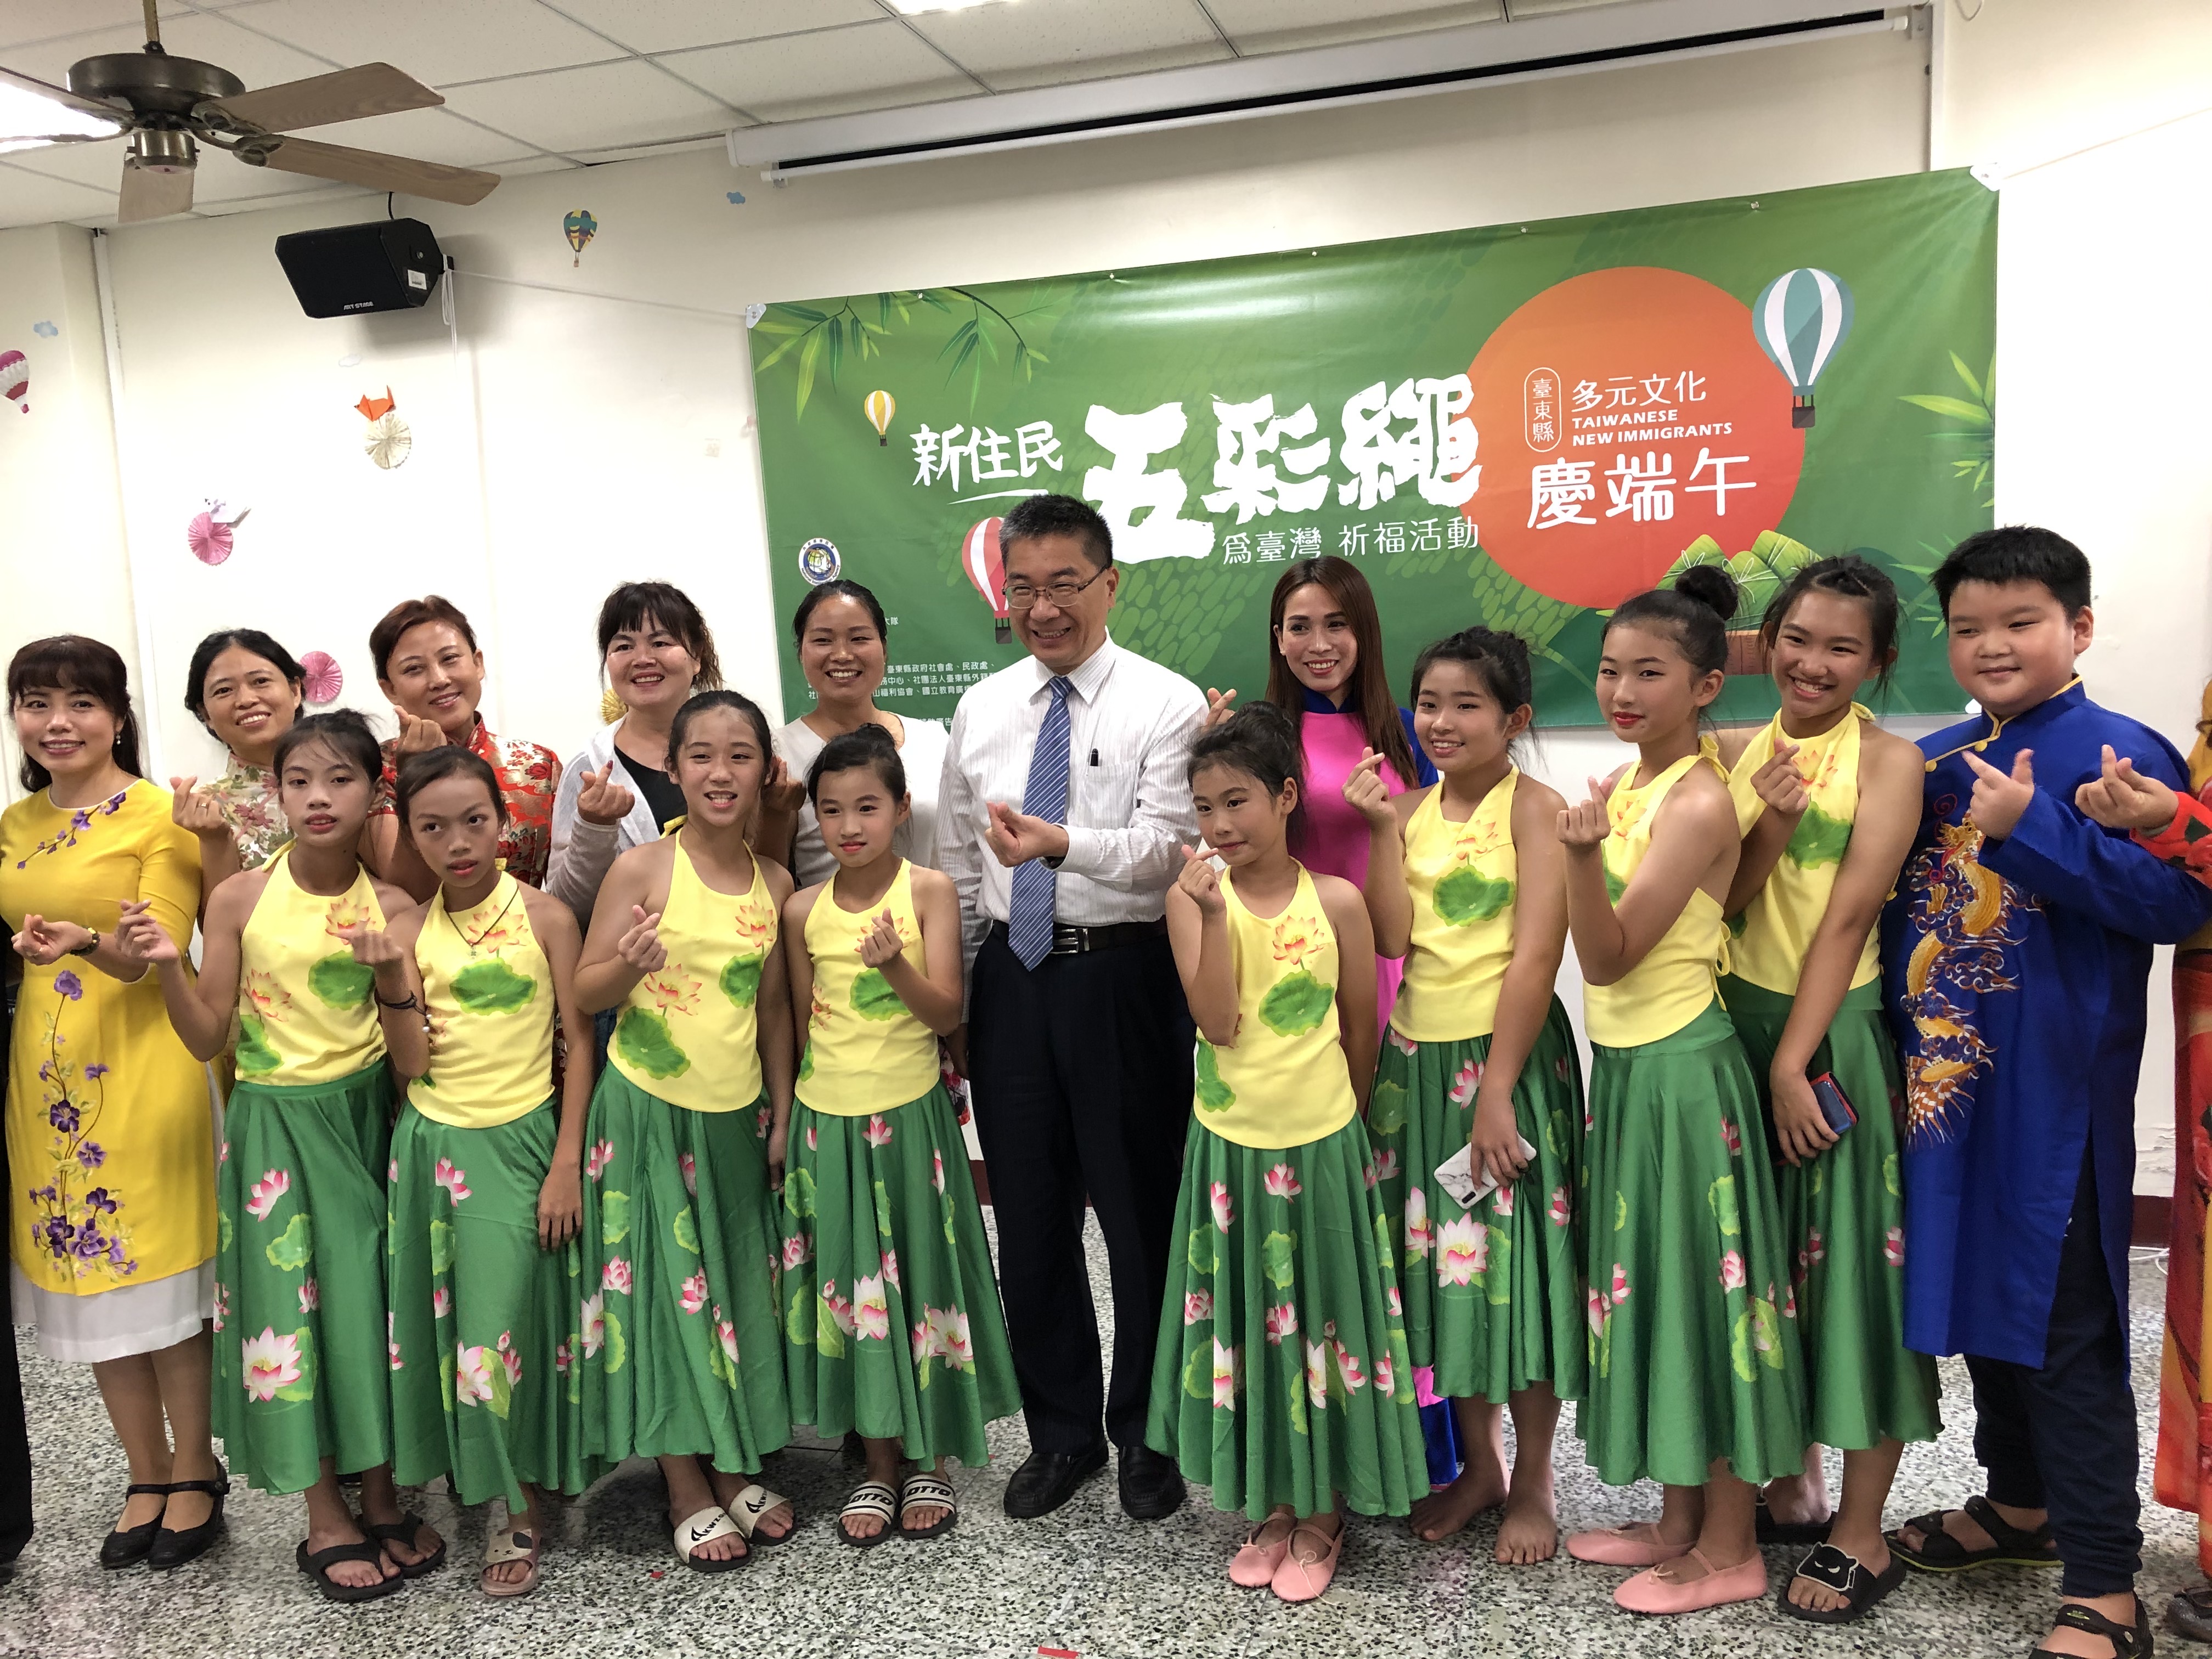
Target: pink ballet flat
1649 1593
1253 1565
1307 1581
1636 1544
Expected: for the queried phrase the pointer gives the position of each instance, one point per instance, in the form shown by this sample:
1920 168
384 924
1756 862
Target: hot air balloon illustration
1799 319
985 562
879 407
15 379
580 227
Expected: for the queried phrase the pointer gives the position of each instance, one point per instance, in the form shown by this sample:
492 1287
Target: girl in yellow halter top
891 1321
687 1132
488 1322
297 956
1281 1378
1466 882
1828 804
1695 1375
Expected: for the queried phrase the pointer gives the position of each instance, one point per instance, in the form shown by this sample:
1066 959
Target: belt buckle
1069 940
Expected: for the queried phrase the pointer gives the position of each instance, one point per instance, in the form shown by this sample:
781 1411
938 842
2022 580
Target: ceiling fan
170 106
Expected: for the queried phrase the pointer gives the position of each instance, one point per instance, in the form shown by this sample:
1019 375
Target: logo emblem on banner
818 561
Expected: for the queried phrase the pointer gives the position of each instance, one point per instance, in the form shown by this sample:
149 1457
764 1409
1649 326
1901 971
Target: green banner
1517 426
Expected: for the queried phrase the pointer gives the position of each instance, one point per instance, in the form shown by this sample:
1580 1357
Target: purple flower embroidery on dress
91 1155
69 985
80 821
95 1072
79 1231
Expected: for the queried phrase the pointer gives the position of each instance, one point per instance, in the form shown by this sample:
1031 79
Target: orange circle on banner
1624 413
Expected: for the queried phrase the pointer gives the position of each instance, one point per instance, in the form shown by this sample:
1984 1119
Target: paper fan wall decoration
323 679
388 442
209 532
611 708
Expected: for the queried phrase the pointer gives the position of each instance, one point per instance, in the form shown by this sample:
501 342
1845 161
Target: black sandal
1941 1552
2128 1642
2189 1613
1849 1577
127 1549
174 1549
318 1567
1771 1531
405 1530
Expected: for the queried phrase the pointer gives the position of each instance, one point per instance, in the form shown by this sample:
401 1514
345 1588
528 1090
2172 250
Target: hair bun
1709 585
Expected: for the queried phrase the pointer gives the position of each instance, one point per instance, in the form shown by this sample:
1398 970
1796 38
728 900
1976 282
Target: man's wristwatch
88 947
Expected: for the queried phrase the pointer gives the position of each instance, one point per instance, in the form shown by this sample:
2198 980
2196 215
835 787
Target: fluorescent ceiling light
28 121
915 8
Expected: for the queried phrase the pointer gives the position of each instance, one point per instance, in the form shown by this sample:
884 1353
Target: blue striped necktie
1029 908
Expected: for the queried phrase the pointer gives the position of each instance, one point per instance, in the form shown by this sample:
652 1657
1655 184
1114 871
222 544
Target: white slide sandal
704 1527
746 1510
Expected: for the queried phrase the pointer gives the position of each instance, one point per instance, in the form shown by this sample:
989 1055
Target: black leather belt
1109 936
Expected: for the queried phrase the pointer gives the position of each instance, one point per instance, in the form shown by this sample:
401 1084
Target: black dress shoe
1050 1480
128 1548
173 1548
1152 1485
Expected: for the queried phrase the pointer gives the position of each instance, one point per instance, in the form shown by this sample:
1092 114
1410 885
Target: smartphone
1455 1174
1835 1105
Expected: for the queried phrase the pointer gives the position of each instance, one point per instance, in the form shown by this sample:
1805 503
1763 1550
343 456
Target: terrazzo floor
1085 1580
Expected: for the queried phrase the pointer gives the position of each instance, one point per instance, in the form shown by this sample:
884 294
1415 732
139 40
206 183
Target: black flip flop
1847 1576
405 1530
1941 1552
318 1567
1771 1531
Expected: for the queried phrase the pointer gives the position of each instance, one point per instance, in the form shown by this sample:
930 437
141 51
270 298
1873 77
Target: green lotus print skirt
486 1327
891 1321
299 1297
1493 1295
683 1351
1843 1224
1693 1338
1281 1375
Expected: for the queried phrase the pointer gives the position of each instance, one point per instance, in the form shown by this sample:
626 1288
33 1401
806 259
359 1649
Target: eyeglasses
1020 596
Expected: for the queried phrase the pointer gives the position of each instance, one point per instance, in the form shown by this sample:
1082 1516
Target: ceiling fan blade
150 194
341 95
101 108
464 186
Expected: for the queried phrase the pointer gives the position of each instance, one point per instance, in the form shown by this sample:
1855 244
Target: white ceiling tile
254 58
1264 26
31 198
41 19
436 41
627 103
98 164
1041 42
1537 7
869 66
427 135
510 169
674 24
644 152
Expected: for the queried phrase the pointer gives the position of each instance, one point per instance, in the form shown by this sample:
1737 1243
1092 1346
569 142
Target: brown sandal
509 1543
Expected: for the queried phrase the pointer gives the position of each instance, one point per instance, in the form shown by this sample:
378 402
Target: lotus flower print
1282 1321
879 1133
471 1375
1283 1182
392 1344
1816 1248
1732 1136
1732 1271
871 1309
1317 1375
563 1357
261 1197
1386 1380
1463 1250
310 1297
442 1302
1403 1045
936 1165
1560 1068
688 1167
1463 1085
509 1359
840 1308
267 1362
450 1179
1790 1302
1892 1247
601 1155
796 1250
1224 1208
1420 1234
1226 1359
594 1322
1197 1305
1394 1302
1599 1307
813 1143
1294 937
1563 1207
615 1275
1501 1202
1347 1367
221 1308
1386 1165
693 1296
727 1334
891 1268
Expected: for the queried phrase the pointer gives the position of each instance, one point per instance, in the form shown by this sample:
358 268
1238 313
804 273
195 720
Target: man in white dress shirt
1064 804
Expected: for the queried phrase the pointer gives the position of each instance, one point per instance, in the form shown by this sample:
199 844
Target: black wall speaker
387 264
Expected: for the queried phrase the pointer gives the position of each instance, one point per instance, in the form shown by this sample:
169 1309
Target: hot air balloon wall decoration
880 406
15 379
579 228
984 561
1799 319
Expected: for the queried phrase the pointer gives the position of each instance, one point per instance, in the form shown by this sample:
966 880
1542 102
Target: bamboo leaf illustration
809 355
1968 375
1957 408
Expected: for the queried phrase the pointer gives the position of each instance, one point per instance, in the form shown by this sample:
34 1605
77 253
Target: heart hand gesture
641 947
602 801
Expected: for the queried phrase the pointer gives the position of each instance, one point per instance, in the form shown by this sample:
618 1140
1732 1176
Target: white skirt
118 1323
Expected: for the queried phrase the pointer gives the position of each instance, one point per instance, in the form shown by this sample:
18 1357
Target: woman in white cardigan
655 650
